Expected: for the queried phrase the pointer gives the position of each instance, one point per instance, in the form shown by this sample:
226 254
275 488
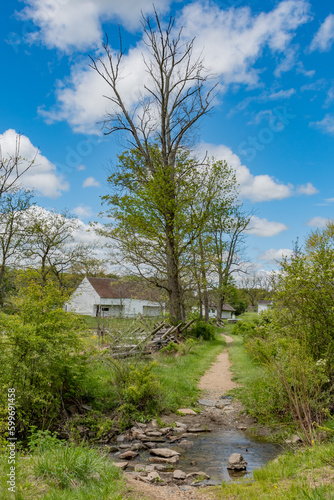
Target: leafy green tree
296 339
175 96
52 248
13 230
139 209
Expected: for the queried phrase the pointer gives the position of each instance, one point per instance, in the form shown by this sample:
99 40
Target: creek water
211 452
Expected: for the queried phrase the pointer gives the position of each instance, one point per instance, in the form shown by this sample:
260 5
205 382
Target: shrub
201 329
137 391
40 356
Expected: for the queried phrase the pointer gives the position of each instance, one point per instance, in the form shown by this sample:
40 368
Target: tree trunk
204 282
175 309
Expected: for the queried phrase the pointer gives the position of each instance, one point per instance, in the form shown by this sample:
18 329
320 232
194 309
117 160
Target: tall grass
179 376
63 472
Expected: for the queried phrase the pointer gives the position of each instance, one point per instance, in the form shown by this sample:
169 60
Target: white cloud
42 176
83 211
273 254
74 97
264 227
324 37
282 94
253 187
229 41
234 39
90 182
317 222
326 125
77 24
330 200
81 167
307 189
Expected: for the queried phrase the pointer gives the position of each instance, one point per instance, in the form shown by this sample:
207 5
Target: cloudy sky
273 119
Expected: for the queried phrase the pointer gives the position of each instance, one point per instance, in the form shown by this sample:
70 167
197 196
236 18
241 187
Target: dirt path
214 383
218 379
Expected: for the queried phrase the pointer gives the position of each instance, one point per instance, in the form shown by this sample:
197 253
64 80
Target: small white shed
114 297
264 305
228 312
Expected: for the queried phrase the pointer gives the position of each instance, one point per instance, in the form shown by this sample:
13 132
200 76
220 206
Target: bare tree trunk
173 278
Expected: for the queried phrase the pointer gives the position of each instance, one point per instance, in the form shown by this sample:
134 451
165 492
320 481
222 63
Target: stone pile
157 443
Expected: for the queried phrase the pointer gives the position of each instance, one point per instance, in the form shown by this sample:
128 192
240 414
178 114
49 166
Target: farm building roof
114 288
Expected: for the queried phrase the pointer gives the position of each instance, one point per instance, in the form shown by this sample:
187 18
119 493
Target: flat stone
124 446
140 436
161 460
242 428
179 474
187 411
164 452
236 462
172 439
181 424
138 447
198 474
165 430
140 467
179 430
206 402
121 465
120 438
153 433
149 444
200 428
153 476
153 439
154 424
129 455
296 439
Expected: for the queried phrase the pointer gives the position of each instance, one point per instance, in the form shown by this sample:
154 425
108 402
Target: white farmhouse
264 305
114 297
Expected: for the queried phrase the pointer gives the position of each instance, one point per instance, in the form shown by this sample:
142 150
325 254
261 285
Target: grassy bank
179 376
302 473
63 472
254 392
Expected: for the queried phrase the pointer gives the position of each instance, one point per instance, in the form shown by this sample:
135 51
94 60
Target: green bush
137 391
40 356
201 329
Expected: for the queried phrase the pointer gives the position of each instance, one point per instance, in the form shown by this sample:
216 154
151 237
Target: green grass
304 474
179 376
64 473
254 392
248 316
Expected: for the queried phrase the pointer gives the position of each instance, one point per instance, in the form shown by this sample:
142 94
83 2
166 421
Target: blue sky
273 120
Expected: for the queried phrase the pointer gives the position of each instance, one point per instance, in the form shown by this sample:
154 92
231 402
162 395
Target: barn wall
83 299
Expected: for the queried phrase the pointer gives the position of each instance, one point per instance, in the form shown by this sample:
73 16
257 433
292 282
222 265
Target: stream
211 452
